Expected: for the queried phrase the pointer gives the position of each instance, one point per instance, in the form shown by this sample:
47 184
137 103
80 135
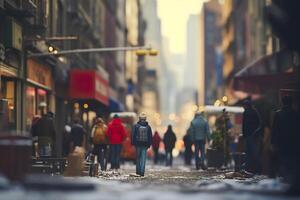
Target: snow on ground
111 190
160 183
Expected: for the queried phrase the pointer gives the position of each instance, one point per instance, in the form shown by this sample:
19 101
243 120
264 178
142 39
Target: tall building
210 56
153 65
192 53
133 100
81 85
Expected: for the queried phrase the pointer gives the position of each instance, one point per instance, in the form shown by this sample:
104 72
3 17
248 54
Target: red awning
88 84
268 72
260 83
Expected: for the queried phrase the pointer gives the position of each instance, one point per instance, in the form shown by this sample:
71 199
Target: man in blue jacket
199 132
142 140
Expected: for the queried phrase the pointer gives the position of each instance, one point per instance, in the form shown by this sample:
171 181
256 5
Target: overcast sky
174 15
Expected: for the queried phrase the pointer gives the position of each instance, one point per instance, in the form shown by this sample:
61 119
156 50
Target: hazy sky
174 15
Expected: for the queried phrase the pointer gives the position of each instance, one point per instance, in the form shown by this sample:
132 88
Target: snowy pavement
160 183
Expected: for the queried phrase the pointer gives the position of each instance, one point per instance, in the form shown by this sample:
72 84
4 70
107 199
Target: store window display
7 93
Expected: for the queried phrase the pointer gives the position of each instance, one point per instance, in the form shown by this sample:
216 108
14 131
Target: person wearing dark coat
66 141
78 135
251 129
285 141
188 148
44 134
155 146
142 140
169 142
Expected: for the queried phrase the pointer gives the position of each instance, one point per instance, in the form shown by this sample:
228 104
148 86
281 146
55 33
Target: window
42 101
30 106
8 92
36 104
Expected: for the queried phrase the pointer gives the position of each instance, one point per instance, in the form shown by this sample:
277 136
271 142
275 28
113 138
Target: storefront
11 45
270 72
89 95
8 97
38 90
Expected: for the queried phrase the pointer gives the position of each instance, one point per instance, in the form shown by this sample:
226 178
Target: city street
123 84
160 182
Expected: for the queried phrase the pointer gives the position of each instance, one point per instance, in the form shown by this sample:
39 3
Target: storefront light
194 108
42 92
50 48
11 107
30 91
85 106
224 98
217 103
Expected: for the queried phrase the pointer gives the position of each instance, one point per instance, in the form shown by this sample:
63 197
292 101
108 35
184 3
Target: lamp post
140 51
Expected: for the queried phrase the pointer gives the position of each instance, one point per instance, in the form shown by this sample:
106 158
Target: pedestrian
66 141
116 134
44 135
285 142
155 146
188 147
199 133
252 132
100 142
142 140
34 135
78 135
169 142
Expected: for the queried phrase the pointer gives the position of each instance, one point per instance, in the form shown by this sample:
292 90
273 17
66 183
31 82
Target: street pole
91 50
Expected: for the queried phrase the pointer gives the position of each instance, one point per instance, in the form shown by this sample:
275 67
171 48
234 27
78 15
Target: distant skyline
174 16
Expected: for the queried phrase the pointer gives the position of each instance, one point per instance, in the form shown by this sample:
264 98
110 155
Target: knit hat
143 116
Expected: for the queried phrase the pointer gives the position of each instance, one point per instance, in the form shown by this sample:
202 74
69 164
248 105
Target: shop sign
88 84
101 88
39 73
2 52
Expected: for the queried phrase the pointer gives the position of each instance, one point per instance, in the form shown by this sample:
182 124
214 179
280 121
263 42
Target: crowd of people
106 140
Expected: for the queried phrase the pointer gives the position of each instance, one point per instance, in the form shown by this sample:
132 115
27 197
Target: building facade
211 62
82 85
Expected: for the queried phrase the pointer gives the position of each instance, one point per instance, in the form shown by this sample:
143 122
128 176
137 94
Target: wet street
179 175
160 182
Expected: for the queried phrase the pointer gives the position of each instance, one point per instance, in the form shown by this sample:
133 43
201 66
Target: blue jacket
199 129
135 131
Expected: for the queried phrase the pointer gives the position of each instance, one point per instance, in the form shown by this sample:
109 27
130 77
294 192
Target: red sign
88 84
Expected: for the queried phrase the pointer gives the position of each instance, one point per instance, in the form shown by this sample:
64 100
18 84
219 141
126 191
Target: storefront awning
88 84
268 72
115 106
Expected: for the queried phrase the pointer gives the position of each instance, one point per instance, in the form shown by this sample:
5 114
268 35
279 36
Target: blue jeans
252 155
115 151
199 146
141 153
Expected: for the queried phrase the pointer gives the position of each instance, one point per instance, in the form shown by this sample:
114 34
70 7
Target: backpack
142 134
99 135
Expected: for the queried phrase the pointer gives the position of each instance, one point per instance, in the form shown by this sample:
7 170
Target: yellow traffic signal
153 52
141 52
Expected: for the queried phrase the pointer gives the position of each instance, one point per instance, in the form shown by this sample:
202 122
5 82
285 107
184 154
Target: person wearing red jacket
116 133
155 146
